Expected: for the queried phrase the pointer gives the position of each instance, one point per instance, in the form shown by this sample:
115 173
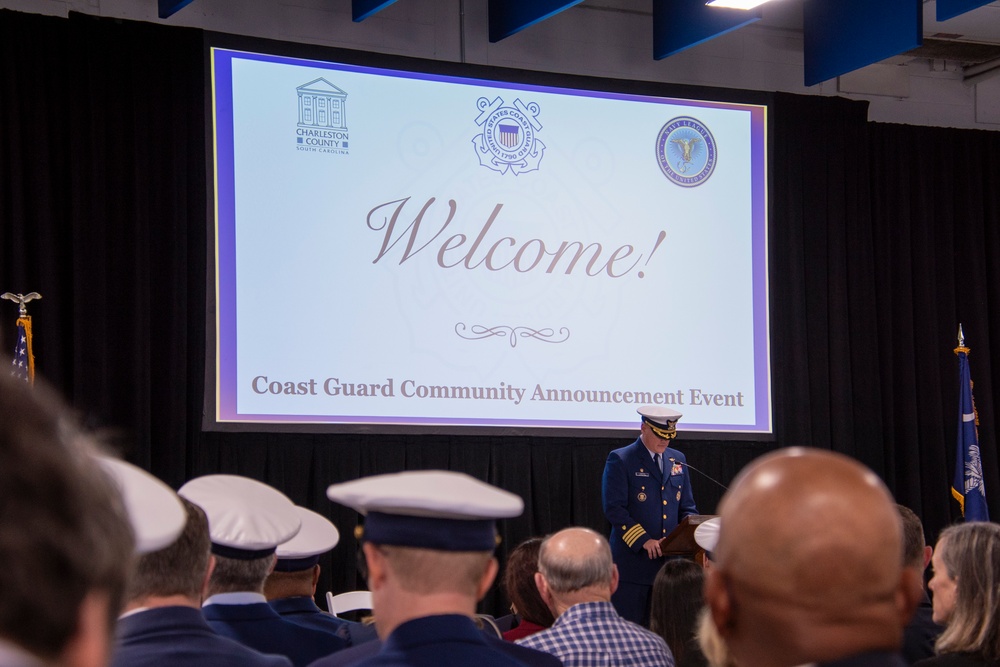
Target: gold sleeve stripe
633 534
637 529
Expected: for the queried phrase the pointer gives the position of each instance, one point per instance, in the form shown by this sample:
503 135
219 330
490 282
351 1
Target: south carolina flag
968 487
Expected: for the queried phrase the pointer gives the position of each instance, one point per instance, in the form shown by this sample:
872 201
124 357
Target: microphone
711 479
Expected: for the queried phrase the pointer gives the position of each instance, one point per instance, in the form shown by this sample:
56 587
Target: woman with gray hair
966 596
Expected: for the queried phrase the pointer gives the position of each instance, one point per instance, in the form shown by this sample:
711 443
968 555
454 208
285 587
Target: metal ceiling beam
168 8
681 24
949 9
976 73
841 36
362 9
511 16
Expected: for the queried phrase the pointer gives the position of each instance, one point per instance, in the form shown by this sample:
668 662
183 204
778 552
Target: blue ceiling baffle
681 24
362 9
949 9
510 16
844 35
168 8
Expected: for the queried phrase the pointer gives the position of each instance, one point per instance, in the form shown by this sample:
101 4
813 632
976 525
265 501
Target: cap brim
154 510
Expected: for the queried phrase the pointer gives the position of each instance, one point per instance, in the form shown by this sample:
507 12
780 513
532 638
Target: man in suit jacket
247 521
646 491
162 624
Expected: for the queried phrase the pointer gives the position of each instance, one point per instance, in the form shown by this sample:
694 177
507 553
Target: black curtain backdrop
882 238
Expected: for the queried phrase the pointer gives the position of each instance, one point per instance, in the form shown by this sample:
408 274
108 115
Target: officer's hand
652 548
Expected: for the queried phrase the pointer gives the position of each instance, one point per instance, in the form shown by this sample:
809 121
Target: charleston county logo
322 126
508 141
686 151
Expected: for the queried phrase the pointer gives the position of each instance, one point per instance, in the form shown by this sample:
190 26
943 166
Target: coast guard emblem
686 151
508 139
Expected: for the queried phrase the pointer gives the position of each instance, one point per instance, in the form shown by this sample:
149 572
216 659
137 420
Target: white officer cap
154 510
706 535
662 420
317 536
432 509
247 519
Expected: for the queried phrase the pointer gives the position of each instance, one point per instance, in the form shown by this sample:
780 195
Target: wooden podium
680 541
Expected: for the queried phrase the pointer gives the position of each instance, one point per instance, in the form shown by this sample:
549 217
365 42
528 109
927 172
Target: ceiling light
736 4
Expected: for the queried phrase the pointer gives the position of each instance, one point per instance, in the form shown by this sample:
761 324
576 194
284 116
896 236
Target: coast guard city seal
508 141
686 151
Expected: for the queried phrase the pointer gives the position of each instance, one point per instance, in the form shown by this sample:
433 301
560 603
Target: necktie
659 462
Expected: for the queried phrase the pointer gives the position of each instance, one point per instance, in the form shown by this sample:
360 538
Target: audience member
291 588
247 520
921 632
966 591
428 542
576 578
163 624
711 643
808 566
65 539
677 601
519 584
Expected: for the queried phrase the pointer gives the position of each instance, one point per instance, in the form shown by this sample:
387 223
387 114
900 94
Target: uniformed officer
163 625
247 521
290 589
646 491
428 540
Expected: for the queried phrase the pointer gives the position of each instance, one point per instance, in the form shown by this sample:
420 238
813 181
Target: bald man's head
575 566
809 560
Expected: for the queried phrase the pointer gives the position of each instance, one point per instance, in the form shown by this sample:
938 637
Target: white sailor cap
317 536
247 519
432 509
154 510
662 420
706 535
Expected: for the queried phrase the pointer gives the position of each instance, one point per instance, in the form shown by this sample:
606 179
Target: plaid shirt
592 634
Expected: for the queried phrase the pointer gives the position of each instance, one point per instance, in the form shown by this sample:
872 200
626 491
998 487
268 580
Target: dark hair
64 534
179 568
677 600
913 537
519 583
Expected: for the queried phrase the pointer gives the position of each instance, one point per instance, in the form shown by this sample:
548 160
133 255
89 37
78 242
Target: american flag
23 363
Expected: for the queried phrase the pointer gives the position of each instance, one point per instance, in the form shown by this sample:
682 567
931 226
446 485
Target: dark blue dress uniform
642 504
261 628
168 636
447 640
302 610
356 655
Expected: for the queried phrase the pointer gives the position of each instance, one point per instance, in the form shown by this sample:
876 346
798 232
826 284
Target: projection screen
400 247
